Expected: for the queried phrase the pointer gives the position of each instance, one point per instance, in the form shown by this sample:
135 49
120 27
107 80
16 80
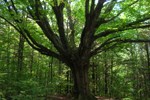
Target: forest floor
58 97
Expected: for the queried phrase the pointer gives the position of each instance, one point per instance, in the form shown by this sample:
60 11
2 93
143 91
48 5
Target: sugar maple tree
77 29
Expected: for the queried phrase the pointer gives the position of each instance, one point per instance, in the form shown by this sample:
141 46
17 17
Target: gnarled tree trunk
81 83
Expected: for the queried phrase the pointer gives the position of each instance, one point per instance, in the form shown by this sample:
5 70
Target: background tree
102 25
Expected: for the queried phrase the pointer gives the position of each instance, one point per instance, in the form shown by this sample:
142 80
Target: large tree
77 29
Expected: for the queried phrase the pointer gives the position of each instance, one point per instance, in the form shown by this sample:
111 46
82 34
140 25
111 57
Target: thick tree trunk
81 83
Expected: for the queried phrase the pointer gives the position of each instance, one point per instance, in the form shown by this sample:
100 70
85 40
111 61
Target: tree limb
87 9
102 45
43 22
92 6
32 42
113 42
58 10
128 26
89 28
40 47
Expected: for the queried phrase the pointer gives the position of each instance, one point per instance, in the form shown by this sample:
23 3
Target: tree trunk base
81 82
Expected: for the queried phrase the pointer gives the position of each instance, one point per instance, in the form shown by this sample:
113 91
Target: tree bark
81 84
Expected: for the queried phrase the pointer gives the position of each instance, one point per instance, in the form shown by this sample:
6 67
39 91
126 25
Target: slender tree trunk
93 77
106 80
59 73
81 83
111 76
147 72
20 53
67 87
106 74
20 61
31 61
51 69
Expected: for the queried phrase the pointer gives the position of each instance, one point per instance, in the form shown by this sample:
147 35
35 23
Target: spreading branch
89 28
58 10
102 45
113 42
132 25
42 20
32 42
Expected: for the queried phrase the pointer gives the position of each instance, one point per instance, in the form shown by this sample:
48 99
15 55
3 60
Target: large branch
25 33
92 16
58 11
112 42
99 7
89 28
42 49
32 42
92 6
132 25
103 44
41 19
87 9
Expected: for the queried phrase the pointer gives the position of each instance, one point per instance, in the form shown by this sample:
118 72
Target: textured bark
81 83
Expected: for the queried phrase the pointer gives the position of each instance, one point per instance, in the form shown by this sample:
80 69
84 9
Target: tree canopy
72 24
